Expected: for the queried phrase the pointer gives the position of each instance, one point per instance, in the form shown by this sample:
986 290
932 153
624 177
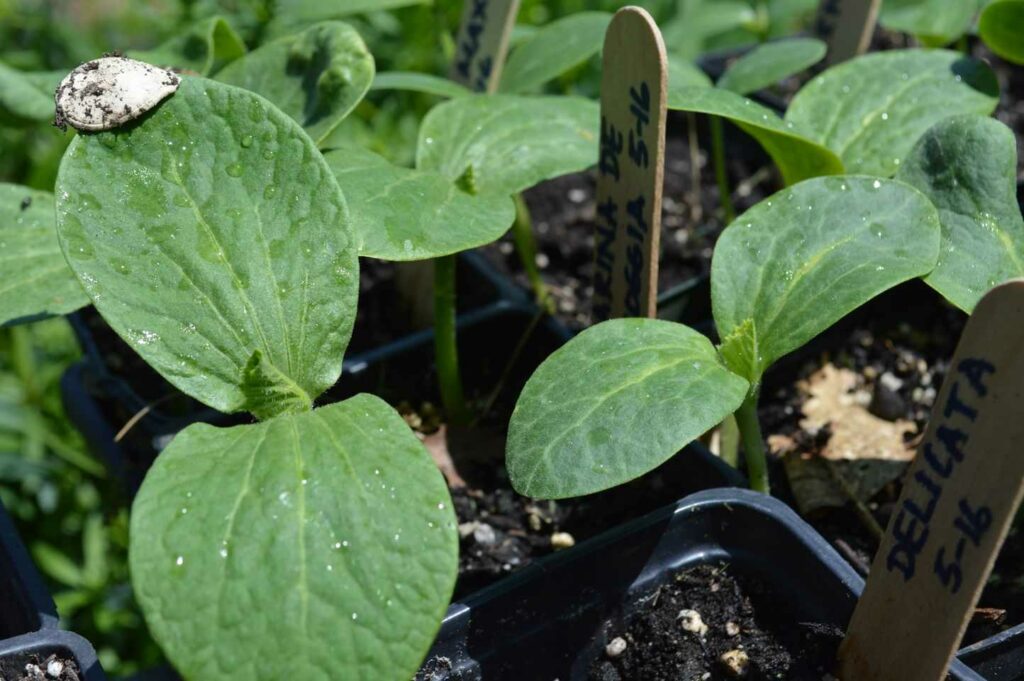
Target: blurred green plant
72 518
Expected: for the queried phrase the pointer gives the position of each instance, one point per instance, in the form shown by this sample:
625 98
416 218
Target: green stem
753 444
24 364
718 152
445 345
526 247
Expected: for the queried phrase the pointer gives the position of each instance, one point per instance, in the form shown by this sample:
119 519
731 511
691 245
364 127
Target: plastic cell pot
40 646
25 604
28 616
558 607
999 657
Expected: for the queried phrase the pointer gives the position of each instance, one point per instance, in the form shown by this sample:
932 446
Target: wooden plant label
846 25
483 42
957 504
630 167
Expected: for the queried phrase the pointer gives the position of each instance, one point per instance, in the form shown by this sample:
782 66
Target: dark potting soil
501 531
34 667
709 625
563 212
899 346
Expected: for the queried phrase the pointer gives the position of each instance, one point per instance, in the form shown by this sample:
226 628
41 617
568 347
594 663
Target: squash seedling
862 116
211 234
762 67
627 394
943 22
474 154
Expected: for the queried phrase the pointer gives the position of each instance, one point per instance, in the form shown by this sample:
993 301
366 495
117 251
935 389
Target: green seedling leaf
212 230
554 49
269 391
35 279
310 546
56 565
684 73
418 82
689 32
26 98
795 263
404 214
872 110
504 144
664 380
295 15
967 167
205 47
317 77
318 10
769 63
797 156
933 22
1001 26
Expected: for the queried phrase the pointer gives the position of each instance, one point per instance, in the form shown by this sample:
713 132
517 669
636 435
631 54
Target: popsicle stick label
630 167
958 501
482 43
846 26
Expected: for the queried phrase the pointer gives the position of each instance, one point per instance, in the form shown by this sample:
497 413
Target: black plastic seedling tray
28 616
39 646
549 620
999 657
25 605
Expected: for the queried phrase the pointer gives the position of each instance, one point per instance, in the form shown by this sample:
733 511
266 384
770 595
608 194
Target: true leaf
404 214
553 50
316 77
35 279
967 167
871 110
204 47
797 156
934 22
1001 25
503 144
613 403
211 230
26 97
769 63
795 263
418 82
312 545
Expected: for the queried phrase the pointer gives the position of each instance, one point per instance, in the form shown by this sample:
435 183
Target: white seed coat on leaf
106 93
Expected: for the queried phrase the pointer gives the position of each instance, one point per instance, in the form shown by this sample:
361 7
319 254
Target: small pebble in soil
484 535
54 668
732 629
736 663
690 620
615 647
562 540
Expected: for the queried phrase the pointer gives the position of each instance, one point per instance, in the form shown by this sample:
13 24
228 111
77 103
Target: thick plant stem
753 444
445 345
526 247
718 152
